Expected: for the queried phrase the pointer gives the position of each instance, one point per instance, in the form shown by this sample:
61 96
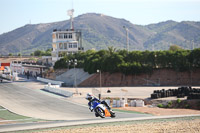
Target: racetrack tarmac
35 103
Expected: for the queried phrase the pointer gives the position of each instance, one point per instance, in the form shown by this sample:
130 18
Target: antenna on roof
71 13
72 4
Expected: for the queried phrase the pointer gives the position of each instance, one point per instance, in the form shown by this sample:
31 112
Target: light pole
155 61
75 63
127 38
192 44
99 71
69 63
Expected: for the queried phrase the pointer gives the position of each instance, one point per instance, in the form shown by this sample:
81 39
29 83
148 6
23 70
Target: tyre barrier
193 96
179 93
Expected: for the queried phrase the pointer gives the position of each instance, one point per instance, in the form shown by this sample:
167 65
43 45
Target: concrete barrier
114 103
122 103
50 81
118 103
139 103
55 89
133 103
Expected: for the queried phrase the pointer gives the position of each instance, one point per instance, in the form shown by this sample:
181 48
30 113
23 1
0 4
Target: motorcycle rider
91 99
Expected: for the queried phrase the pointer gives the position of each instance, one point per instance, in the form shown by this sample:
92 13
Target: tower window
61 36
70 35
75 45
65 36
70 45
65 45
60 45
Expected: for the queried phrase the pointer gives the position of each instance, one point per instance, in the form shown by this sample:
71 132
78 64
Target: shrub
187 106
178 100
169 104
160 105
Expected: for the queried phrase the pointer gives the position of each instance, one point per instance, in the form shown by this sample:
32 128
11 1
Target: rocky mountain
100 31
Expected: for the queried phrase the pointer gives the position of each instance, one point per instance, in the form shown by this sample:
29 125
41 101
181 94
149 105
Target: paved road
34 103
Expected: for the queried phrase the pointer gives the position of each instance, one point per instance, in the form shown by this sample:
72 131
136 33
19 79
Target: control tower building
68 41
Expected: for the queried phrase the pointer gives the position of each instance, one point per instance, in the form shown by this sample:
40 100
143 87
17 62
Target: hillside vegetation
100 31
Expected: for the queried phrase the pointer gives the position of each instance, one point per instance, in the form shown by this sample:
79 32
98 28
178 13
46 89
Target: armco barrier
56 90
50 81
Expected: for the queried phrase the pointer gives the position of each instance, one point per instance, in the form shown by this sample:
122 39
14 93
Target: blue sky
17 13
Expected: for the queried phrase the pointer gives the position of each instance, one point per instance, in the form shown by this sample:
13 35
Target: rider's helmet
89 96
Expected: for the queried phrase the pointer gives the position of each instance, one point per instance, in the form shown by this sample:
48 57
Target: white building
65 42
21 67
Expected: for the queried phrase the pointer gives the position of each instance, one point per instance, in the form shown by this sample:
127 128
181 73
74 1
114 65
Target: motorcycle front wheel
100 112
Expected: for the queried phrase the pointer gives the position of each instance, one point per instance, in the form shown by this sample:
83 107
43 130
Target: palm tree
111 50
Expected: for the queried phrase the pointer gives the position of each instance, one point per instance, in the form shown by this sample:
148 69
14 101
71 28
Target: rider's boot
110 109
